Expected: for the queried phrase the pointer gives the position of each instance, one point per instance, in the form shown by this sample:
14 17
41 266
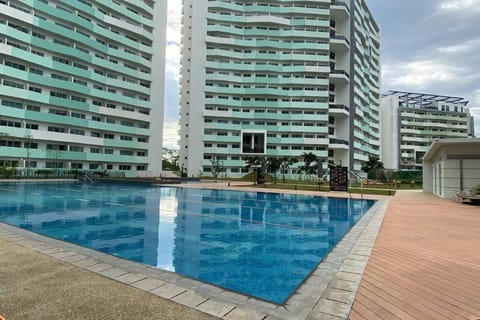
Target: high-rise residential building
278 79
410 122
81 84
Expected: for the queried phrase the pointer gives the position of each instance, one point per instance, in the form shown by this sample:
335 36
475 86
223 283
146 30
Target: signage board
339 179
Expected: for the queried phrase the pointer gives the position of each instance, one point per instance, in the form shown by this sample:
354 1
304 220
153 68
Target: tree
253 162
273 165
285 164
308 159
217 167
170 165
372 166
260 165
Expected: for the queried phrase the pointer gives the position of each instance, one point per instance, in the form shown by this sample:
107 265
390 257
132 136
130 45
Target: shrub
7 172
44 172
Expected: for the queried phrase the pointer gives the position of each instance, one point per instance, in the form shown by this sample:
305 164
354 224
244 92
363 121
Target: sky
427 46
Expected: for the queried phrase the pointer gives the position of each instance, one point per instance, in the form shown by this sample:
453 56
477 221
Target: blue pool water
260 244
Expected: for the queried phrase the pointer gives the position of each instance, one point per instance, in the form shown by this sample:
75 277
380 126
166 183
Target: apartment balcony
339 77
336 143
338 109
339 10
339 43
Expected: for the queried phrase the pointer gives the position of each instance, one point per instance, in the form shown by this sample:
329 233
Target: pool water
255 243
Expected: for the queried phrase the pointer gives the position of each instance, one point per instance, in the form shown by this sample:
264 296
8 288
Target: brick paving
425 263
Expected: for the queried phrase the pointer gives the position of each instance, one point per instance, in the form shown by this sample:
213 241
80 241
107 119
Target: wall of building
284 70
76 83
389 133
454 168
409 127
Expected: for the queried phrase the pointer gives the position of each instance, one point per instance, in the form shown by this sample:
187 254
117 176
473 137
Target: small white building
451 165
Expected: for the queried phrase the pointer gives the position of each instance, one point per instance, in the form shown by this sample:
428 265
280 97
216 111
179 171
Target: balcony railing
340 3
338 141
339 107
333 36
340 72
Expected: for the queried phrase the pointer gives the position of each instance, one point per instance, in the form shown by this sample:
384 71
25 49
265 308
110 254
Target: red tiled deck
425 263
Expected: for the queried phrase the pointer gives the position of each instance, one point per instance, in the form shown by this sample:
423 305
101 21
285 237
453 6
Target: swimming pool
259 244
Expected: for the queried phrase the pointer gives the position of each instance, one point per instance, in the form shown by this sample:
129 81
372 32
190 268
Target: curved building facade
277 79
79 85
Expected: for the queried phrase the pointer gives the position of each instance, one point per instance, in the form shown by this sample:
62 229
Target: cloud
172 68
170 135
421 75
459 5
173 38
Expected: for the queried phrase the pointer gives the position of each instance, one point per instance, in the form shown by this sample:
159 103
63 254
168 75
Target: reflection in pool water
260 244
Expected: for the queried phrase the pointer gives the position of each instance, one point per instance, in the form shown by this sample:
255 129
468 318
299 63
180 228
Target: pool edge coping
329 291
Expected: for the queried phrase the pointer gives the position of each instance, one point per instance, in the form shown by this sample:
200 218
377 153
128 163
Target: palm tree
308 159
372 165
273 165
285 164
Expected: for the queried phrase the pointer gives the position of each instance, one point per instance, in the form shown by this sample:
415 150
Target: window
76 149
56 129
36 71
33 108
31 126
77 132
79 99
58 94
124 167
12 104
13 84
35 89
77 115
15 65
57 111
9 123
253 142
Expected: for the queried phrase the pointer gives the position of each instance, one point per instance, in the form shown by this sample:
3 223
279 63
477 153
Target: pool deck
425 264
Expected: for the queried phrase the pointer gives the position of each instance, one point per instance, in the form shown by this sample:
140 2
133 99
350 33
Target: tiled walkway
425 263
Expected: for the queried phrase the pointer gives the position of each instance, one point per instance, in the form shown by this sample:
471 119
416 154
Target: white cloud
462 48
422 74
172 68
444 68
173 38
170 135
459 5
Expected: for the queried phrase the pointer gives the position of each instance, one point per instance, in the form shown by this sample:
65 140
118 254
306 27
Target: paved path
425 263
36 286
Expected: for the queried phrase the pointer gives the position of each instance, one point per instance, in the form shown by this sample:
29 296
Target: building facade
81 85
411 122
452 165
278 79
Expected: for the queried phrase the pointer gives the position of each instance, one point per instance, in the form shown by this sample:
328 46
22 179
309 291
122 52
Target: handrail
87 178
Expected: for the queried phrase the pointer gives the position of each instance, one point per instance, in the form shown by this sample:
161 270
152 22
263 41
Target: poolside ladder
87 179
